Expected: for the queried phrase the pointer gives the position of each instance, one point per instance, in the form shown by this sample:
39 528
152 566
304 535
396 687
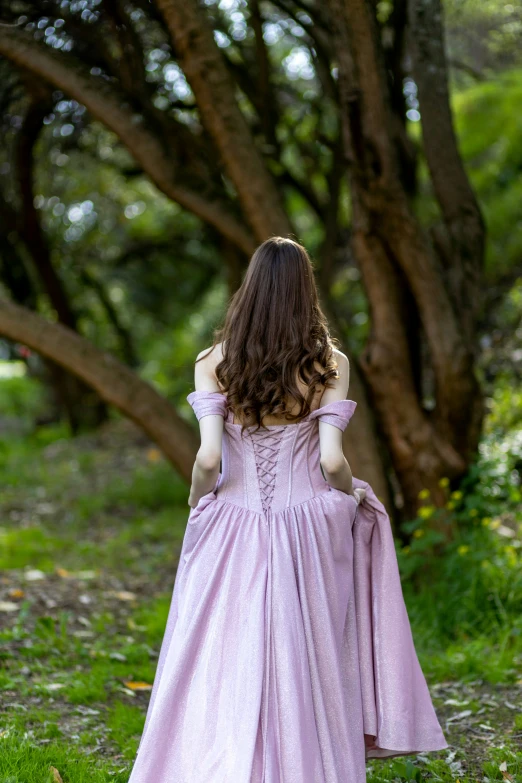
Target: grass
90 536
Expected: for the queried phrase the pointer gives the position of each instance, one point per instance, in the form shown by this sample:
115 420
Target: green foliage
20 397
484 34
466 591
489 131
126 723
23 760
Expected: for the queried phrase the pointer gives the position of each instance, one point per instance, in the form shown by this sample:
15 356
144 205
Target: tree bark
203 64
113 381
398 267
111 107
461 212
81 405
30 229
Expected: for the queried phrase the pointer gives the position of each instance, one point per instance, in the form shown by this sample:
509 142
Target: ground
90 536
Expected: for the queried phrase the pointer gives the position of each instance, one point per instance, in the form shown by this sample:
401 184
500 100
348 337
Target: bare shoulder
338 387
204 368
342 361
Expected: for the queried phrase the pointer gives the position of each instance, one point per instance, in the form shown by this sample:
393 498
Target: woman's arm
335 466
206 467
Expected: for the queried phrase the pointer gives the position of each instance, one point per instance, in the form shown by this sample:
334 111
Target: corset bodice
272 468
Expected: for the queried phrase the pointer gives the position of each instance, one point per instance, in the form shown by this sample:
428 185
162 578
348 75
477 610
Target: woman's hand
359 495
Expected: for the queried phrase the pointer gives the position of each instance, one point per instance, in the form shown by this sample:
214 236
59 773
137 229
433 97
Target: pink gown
287 639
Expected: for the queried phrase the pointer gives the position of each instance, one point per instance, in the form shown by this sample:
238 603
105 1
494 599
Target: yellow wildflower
457 495
425 512
494 524
418 533
424 494
444 482
450 506
511 553
463 549
473 512
486 521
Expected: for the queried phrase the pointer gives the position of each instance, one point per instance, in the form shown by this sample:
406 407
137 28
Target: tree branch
455 195
30 230
108 105
214 89
114 382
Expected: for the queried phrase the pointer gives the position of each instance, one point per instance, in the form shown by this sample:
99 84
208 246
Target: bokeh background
147 148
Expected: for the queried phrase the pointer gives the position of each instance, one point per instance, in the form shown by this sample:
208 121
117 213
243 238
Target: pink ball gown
287 639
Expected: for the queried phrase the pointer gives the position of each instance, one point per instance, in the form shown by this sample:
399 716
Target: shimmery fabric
287 639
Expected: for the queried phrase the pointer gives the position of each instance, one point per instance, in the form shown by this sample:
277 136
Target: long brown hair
274 331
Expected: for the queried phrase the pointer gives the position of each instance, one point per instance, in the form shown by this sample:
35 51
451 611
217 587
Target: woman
288 655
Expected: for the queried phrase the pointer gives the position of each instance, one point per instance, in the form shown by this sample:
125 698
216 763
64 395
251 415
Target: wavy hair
274 332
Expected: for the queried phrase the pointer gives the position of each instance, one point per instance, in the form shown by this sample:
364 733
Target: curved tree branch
109 106
214 89
113 381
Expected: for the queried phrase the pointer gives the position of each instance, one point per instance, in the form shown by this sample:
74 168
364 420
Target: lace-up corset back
272 468
266 445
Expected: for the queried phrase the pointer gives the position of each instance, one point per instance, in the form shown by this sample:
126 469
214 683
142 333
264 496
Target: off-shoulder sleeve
337 413
206 403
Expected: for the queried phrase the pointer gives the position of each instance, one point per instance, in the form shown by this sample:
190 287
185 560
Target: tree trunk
203 64
110 106
30 229
83 408
114 382
463 219
399 266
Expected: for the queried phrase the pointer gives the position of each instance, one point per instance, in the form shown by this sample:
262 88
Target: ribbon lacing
266 451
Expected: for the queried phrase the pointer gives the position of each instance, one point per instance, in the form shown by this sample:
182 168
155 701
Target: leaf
123 595
505 774
127 692
116 656
85 574
460 715
34 575
137 686
456 703
8 606
56 775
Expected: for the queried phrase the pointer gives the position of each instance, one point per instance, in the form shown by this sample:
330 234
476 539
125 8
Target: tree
112 380
24 233
226 147
411 279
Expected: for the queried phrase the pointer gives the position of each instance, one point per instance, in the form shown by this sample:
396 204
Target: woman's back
211 358
276 466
